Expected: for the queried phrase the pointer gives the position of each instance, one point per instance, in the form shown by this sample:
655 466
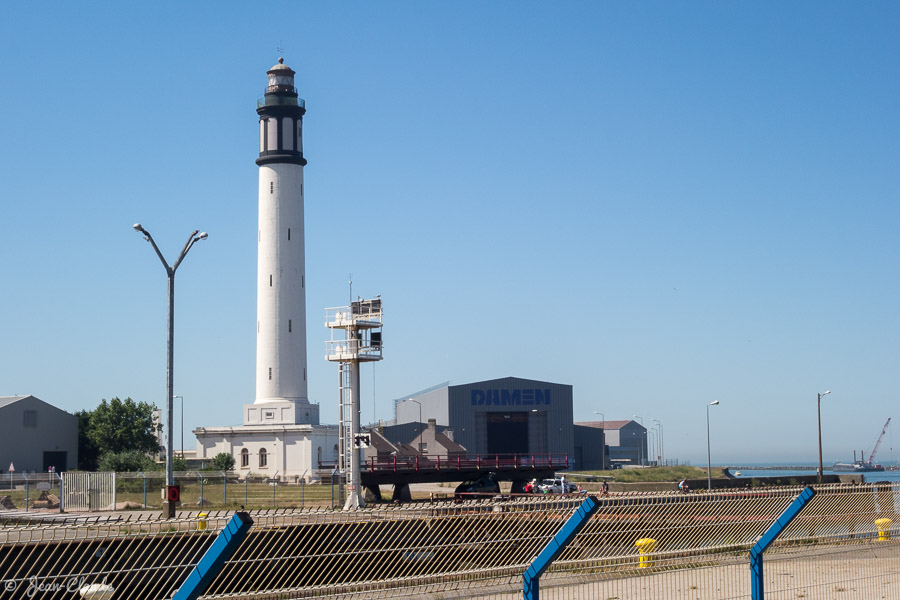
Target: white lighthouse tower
281 396
281 437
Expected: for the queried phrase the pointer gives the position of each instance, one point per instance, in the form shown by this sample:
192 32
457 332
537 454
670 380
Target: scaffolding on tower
361 326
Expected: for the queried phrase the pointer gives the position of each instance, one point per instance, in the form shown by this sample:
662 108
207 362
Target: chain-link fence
635 546
200 490
222 490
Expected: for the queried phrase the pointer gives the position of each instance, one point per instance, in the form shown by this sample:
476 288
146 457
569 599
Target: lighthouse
281 386
281 436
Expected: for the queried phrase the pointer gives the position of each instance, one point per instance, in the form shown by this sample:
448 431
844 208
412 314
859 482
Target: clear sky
662 204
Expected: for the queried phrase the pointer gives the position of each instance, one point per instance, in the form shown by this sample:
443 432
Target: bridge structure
402 471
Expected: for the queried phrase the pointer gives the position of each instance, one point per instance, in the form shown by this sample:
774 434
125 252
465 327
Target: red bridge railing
496 462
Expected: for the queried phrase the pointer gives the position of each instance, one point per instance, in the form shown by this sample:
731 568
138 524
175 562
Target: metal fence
200 490
842 545
223 490
82 491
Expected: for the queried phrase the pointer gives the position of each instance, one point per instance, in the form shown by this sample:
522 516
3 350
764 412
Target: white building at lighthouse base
287 452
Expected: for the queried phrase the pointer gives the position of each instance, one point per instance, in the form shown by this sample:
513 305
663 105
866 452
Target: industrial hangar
501 416
512 415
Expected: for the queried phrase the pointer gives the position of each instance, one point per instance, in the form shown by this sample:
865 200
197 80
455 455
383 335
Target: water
872 476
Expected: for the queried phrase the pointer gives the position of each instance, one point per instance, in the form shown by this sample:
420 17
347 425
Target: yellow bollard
884 529
202 523
645 546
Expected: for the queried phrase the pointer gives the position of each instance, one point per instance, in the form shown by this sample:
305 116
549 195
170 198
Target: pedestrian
562 485
604 489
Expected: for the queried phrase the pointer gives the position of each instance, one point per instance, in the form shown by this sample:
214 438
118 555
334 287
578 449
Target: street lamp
819 414
662 453
419 425
182 424
603 441
708 455
643 436
195 236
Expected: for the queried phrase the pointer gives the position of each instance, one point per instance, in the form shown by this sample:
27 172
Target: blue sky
660 204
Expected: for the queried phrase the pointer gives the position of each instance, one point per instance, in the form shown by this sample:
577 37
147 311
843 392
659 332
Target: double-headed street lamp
195 236
819 414
708 455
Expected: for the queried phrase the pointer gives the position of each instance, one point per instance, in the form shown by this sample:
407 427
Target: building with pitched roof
626 441
36 436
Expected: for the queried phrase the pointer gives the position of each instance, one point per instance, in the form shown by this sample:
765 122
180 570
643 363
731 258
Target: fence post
246 481
27 486
532 576
60 491
209 566
333 473
224 490
757 582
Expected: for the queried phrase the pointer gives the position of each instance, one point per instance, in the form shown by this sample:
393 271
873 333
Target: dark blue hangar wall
503 416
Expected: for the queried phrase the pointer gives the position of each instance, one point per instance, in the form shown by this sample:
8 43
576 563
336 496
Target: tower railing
336 350
280 101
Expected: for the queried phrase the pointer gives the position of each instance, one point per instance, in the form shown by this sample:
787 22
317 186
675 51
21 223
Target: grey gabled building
626 441
35 436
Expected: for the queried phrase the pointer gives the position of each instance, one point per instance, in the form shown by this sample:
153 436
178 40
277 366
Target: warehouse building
36 436
626 441
498 416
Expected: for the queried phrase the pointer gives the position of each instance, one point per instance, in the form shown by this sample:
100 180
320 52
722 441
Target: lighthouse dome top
281 78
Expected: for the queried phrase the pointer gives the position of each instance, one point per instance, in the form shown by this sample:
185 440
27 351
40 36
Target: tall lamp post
603 444
419 426
662 446
643 440
195 236
708 454
819 414
182 424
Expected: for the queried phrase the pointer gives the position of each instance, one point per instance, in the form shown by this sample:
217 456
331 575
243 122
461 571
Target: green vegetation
221 462
128 461
652 474
119 427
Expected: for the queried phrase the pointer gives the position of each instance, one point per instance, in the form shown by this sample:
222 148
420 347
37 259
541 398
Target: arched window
319 455
263 459
245 458
335 452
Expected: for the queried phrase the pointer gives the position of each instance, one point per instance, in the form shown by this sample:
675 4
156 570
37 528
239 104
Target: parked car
555 486
483 487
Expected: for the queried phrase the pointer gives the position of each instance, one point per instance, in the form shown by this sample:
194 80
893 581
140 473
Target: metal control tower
361 323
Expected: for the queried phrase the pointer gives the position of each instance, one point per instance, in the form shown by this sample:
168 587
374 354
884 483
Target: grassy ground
251 496
260 495
651 474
